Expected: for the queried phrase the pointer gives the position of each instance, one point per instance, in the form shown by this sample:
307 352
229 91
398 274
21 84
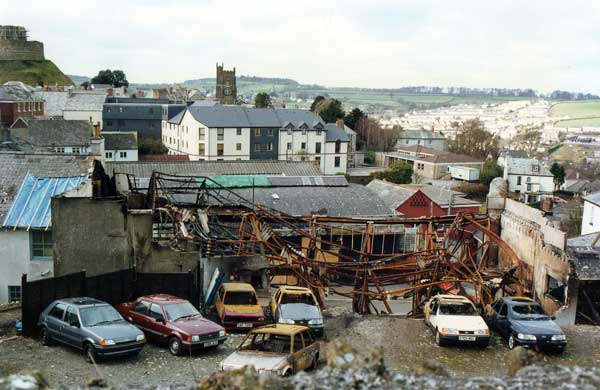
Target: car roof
449 298
235 286
162 298
81 301
519 300
280 329
295 290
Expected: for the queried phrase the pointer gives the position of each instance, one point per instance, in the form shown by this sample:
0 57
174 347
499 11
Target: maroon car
174 321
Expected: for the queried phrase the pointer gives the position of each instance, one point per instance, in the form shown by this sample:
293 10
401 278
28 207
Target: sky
540 44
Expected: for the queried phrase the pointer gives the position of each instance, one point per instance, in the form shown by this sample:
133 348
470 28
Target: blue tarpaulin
31 207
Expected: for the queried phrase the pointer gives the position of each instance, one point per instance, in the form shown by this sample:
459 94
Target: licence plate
244 325
466 338
211 343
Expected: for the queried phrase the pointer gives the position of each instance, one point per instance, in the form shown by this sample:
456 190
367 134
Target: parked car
174 321
93 326
297 305
237 307
281 349
454 319
522 321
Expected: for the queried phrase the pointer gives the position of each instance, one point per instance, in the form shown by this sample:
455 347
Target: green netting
237 181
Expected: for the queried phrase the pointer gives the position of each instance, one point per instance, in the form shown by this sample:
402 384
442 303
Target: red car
174 321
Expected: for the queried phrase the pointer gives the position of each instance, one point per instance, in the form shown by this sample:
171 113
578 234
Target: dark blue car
522 321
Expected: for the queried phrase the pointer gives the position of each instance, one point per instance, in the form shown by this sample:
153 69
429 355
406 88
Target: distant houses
428 138
529 179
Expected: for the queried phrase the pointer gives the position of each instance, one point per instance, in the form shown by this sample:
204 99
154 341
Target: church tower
226 89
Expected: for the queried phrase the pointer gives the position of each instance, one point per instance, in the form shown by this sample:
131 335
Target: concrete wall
21 50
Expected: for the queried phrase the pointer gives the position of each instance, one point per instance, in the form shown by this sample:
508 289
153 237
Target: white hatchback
454 319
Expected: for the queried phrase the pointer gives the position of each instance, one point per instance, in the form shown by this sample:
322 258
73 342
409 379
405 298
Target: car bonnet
299 311
260 360
119 332
536 327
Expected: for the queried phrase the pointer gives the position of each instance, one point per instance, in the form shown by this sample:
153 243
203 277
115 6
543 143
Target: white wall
590 223
438 144
538 184
296 138
328 160
115 155
70 149
230 139
84 116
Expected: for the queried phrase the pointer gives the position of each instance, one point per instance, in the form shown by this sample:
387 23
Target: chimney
340 123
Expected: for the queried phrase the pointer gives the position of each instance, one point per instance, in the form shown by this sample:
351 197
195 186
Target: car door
72 329
54 321
275 305
139 314
299 353
157 323
311 348
433 314
501 321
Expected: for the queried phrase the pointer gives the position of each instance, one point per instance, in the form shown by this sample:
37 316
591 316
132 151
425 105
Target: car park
90 325
454 319
237 307
523 321
173 321
297 305
281 349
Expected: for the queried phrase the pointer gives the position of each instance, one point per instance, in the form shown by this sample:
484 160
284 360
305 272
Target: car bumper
481 340
542 345
242 324
119 349
204 343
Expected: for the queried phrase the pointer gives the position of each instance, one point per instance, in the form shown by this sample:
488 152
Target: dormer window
536 168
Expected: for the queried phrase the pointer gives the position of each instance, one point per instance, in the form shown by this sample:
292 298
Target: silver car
90 325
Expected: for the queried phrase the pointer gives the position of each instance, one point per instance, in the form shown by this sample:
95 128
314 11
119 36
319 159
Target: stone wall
21 50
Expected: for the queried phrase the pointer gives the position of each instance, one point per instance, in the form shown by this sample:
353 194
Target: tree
490 171
151 146
317 100
474 140
528 139
371 135
399 172
559 175
116 78
262 100
330 110
351 119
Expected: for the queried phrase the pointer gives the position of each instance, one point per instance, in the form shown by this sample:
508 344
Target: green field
33 73
584 113
573 153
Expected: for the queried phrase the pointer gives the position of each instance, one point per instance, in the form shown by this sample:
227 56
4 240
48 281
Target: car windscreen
457 309
529 312
99 315
266 342
180 310
307 299
239 298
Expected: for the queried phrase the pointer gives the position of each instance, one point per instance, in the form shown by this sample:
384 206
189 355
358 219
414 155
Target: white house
120 146
241 133
590 223
53 134
428 138
529 178
86 106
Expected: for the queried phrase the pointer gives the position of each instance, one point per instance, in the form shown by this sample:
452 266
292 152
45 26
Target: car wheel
511 342
89 353
438 338
174 346
45 337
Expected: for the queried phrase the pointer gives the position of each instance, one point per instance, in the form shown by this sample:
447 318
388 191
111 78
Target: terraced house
241 133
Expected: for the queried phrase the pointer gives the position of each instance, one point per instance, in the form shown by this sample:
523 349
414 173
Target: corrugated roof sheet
249 181
31 207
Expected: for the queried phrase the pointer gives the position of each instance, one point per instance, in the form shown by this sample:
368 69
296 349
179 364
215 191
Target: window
289 131
318 147
238 146
151 110
120 109
338 146
420 166
318 160
108 123
429 142
407 142
528 186
270 146
528 179
60 150
288 146
270 132
201 133
303 146
156 312
123 154
108 154
220 134
336 162
238 131
201 149
14 293
58 311
142 307
518 180
535 168
257 147
71 317
303 131
76 150
318 132
257 132
41 244
220 149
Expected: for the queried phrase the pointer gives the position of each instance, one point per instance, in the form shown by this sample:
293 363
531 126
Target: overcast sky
540 44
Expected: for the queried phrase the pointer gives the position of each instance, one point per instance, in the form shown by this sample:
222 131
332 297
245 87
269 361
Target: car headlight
104 342
261 319
559 337
449 330
286 321
482 332
316 321
140 337
221 333
529 337
195 338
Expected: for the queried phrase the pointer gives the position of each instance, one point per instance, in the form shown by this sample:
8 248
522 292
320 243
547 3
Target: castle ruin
15 46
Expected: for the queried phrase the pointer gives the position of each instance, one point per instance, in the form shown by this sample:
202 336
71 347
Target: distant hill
33 73
78 80
250 79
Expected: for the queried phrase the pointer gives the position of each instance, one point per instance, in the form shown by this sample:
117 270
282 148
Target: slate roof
584 186
14 166
334 133
585 258
57 132
422 153
82 101
15 91
395 195
144 169
54 102
120 140
132 111
524 166
593 198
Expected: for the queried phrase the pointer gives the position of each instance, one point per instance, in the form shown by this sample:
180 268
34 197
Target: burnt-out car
297 305
173 321
237 307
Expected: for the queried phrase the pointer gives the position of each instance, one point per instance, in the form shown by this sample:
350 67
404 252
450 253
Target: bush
151 146
475 191
490 171
398 172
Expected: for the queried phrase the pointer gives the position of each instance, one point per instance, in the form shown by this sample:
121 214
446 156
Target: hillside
33 73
